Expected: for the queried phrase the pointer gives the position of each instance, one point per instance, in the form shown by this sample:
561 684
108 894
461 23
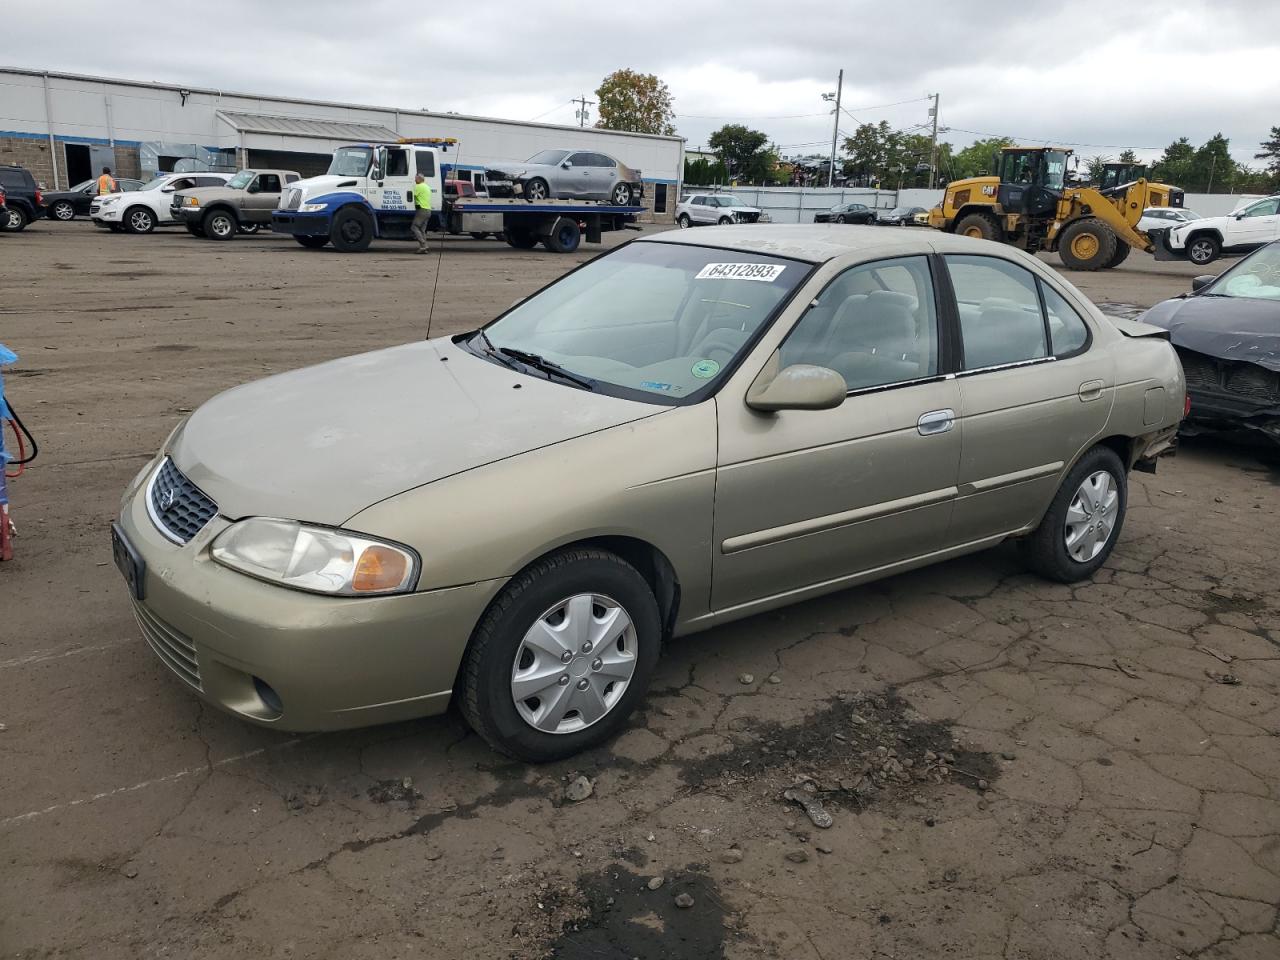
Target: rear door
604 173
1033 394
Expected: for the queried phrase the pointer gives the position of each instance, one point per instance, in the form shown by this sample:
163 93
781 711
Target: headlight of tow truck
313 207
315 559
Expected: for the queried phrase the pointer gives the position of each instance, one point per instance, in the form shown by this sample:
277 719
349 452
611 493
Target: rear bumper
300 224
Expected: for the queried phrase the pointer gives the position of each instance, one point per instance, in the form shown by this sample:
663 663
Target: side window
580 160
204 182
397 163
291 178
1067 332
875 324
1264 208
600 160
186 183
1000 319
425 161
700 201
269 183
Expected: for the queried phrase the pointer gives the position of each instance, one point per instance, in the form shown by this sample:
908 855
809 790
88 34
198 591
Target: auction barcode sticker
768 272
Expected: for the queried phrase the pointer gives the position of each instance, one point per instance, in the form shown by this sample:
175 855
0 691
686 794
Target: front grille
176 650
1200 371
294 199
1250 380
178 506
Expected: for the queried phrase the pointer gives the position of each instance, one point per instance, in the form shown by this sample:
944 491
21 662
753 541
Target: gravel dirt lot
1014 768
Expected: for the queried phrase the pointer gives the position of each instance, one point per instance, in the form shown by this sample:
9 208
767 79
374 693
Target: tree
975 159
1212 166
1174 166
1128 156
880 155
635 102
742 150
1096 165
1271 153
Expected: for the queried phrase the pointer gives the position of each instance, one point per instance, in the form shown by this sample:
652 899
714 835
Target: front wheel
839 218
63 210
352 230
725 221
562 657
1203 249
219 225
1081 527
683 221
976 225
139 220
312 243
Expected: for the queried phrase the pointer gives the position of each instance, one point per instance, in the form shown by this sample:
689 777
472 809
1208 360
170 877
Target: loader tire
1121 254
1087 244
978 225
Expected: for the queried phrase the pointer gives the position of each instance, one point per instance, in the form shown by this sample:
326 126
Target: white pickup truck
368 194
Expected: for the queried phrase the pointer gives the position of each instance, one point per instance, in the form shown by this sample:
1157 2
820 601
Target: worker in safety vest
106 184
421 211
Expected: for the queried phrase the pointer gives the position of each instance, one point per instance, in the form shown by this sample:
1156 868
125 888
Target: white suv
1204 240
141 210
700 209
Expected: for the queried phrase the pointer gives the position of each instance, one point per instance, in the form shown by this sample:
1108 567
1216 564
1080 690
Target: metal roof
352 131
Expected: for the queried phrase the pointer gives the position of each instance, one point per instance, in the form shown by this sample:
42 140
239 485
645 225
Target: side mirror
253 188
566 165
167 189
801 386
1199 283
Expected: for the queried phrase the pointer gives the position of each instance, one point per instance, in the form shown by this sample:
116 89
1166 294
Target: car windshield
548 158
156 183
1190 215
241 180
899 211
660 322
1254 278
84 186
350 162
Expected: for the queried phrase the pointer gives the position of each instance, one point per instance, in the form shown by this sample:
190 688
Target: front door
810 497
577 179
260 198
1032 394
1256 224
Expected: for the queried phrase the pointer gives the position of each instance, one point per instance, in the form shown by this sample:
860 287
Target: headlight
191 202
313 207
317 559
107 201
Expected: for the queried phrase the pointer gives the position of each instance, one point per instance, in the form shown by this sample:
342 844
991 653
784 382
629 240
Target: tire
139 220
1203 248
725 221
497 650
565 236
1119 257
537 189
521 239
249 229
194 229
63 210
14 221
352 230
219 224
976 225
1046 549
839 218
478 235
116 227
1087 244
683 221
621 195
312 243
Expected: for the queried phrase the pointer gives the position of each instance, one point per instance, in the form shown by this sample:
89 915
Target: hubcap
63 211
621 195
352 231
1091 516
536 191
221 226
15 219
574 664
973 232
1200 251
140 220
683 222
1085 246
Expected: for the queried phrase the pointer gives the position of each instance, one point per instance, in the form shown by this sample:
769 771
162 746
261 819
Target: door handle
1090 390
935 422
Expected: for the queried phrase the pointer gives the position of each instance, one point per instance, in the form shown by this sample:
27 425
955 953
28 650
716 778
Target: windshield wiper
545 365
491 351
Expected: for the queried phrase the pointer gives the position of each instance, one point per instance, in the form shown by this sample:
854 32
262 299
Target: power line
558 106
1065 143
734 116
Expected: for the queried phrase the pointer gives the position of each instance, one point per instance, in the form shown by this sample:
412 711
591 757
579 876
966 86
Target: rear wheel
976 225
312 243
564 237
139 220
477 235
219 225
1203 249
352 230
521 239
1087 244
1078 532
63 210
562 657
15 220
1120 256
249 229
621 195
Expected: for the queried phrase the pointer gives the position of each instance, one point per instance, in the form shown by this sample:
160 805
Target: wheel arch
1202 231
221 205
987 210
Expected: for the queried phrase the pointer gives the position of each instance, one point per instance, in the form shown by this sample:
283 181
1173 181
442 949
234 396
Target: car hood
323 443
1218 223
1227 328
318 186
210 193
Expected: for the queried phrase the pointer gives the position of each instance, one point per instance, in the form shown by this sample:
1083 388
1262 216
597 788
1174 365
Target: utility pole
835 129
581 112
1213 162
933 149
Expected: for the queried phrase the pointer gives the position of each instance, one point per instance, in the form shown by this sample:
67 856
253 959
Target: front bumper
185 214
292 660
1164 246
300 224
109 214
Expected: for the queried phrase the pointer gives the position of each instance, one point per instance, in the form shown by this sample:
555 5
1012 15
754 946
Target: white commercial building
66 127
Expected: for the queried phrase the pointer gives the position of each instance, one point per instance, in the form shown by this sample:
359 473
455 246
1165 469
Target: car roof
821 242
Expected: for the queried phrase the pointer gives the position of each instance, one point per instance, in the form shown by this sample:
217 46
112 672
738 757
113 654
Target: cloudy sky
1104 76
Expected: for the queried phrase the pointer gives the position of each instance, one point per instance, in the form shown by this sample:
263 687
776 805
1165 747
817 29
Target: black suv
22 197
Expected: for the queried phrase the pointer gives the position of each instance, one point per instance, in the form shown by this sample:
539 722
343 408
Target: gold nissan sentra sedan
692 428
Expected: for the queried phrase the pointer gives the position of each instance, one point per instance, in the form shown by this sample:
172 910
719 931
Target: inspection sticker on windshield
768 272
705 369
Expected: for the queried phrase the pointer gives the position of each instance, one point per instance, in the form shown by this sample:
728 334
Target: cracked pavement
1131 807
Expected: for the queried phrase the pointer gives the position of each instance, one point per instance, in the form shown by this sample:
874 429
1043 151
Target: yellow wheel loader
1030 205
